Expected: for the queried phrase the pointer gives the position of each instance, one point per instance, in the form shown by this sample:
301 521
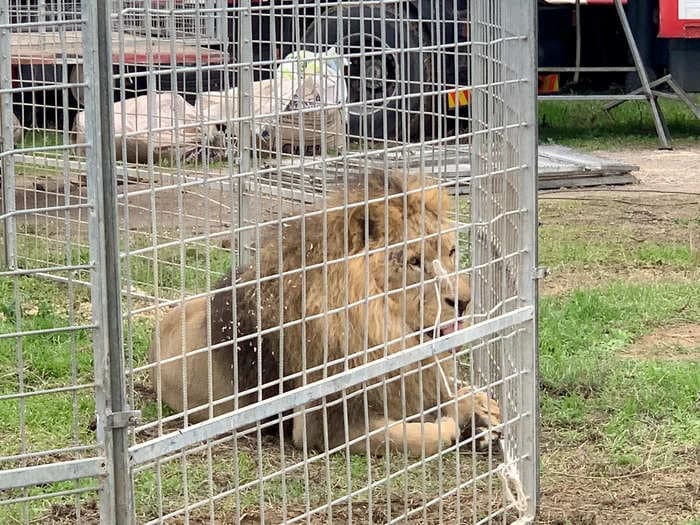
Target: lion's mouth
446 328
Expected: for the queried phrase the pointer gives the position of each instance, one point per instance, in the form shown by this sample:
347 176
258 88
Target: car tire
390 103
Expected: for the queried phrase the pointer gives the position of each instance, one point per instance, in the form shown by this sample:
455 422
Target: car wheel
388 73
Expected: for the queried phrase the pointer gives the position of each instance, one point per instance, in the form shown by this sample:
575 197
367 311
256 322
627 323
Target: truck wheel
378 87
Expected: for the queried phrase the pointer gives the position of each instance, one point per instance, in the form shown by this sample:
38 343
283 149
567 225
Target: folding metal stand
645 92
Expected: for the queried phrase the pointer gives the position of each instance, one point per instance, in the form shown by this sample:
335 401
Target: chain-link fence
268 262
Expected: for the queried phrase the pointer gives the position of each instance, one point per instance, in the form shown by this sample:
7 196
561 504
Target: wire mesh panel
302 235
51 453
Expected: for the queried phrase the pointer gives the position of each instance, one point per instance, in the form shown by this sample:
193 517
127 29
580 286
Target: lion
347 292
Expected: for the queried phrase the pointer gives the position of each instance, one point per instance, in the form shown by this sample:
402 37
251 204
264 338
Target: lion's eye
414 261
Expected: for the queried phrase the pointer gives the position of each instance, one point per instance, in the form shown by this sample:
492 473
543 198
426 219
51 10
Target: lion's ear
396 182
357 220
372 216
381 184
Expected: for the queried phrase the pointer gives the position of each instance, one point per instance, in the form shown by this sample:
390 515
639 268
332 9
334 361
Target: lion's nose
461 304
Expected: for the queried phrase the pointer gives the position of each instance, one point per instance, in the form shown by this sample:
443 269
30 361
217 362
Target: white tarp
304 81
165 120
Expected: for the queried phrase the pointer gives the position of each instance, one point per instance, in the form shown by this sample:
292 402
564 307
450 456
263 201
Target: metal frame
494 234
530 272
116 494
7 161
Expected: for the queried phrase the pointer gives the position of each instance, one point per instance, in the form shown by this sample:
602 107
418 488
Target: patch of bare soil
620 220
448 510
676 343
563 281
668 190
576 492
65 513
637 217
674 170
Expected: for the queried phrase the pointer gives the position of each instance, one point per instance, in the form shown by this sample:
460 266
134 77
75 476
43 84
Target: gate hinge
126 418
540 272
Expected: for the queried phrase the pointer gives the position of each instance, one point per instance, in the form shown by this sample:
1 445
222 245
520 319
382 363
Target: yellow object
459 97
548 83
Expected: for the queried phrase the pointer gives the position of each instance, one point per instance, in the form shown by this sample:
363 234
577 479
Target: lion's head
402 237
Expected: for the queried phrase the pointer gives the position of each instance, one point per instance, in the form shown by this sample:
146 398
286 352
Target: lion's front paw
487 416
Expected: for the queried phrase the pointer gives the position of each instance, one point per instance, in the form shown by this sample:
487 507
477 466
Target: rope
440 276
508 474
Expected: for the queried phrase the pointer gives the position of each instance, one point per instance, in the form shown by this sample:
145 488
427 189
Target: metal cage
268 262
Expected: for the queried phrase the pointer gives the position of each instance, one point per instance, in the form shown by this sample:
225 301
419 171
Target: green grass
587 384
585 125
176 272
42 139
187 270
580 251
53 420
49 361
416 484
570 242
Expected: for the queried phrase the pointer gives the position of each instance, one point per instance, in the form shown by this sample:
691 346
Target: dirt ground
576 487
675 343
668 188
576 490
665 170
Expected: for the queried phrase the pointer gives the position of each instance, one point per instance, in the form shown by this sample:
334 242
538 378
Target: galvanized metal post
8 162
41 14
116 495
525 23
245 136
218 19
479 183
